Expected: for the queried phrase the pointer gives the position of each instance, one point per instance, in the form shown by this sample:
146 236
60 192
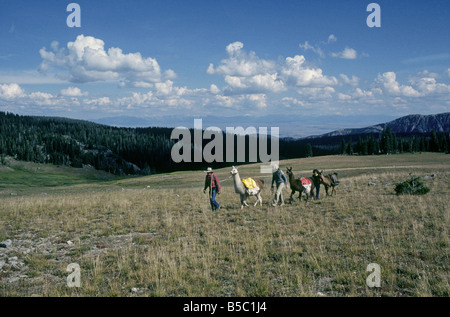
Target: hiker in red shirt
212 182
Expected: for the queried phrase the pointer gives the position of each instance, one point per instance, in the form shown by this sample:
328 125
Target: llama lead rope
226 179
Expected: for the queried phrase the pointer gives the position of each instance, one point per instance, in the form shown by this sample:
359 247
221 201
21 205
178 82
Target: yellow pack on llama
249 183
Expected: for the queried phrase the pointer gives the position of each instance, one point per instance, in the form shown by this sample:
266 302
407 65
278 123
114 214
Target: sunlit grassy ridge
156 236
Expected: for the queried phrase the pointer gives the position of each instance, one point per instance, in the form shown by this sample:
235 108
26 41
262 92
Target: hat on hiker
209 170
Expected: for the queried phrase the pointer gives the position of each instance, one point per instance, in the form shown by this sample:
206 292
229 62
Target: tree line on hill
76 143
391 143
144 151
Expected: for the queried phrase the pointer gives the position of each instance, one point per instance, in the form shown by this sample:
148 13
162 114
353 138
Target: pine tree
343 147
386 143
415 145
422 145
434 143
349 149
365 147
359 146
309 151
372 145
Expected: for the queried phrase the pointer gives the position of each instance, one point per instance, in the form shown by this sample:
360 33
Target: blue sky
297 59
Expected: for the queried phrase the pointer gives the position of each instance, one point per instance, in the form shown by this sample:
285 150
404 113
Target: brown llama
301 185
330 180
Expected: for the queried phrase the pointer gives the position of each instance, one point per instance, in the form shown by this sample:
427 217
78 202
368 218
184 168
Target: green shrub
412 186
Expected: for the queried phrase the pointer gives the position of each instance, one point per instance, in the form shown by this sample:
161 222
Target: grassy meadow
156 235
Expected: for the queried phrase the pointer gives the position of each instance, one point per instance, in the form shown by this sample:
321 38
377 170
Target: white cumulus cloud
87 60
353 81
297 73
347 53
73 92
332 38
290 102
388 81
239 63
316 49
11 91
247 73
429 85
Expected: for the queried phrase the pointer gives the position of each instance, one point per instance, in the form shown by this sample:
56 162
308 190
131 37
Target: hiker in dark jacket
316 182
281 181
212 182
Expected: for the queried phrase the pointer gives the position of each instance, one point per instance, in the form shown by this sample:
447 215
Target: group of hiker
278 178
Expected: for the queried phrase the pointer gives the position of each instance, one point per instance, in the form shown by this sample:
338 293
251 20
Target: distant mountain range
414 123
293 126
304 127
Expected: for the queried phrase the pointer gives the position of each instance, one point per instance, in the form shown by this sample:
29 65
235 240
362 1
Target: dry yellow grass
130 240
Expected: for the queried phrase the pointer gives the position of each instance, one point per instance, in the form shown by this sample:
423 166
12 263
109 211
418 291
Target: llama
330 180
241 190
301 185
